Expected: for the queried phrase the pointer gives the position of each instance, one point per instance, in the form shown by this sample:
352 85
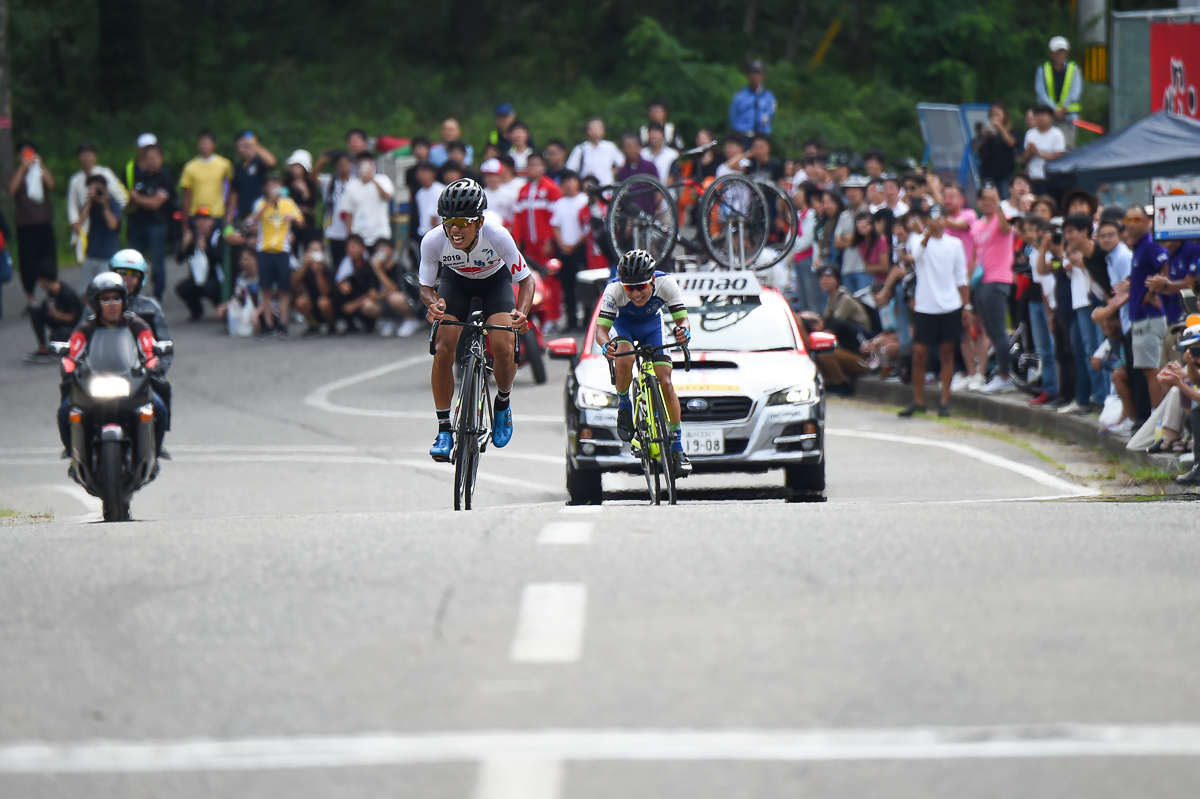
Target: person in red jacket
109 300
531 227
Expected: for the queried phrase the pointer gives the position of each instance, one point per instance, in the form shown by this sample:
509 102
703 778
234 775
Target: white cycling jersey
493 251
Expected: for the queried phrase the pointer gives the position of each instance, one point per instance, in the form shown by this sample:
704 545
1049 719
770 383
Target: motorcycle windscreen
112 351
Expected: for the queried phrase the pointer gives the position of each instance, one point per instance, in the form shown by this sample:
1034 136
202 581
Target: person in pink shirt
958 224
993 237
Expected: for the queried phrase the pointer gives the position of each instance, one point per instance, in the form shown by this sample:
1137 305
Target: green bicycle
651 424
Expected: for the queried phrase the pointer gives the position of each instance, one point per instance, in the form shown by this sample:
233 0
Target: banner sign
1177 216
1175 68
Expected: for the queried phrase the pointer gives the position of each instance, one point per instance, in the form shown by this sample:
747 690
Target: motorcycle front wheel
111 478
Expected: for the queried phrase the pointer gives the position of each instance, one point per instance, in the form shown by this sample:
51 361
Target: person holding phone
37 252
103 214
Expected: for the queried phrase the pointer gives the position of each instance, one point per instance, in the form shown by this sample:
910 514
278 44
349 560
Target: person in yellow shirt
205 179
274 215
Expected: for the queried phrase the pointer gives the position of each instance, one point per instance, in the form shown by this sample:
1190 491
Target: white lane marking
566 533
550 623
1000 462
93 508
584 509
519 778
319 397
582 745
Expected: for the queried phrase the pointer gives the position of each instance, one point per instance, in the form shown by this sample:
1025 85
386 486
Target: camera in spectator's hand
1056 236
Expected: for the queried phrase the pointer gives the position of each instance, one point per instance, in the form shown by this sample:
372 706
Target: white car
752 402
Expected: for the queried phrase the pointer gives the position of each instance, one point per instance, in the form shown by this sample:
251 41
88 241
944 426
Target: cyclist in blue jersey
630 311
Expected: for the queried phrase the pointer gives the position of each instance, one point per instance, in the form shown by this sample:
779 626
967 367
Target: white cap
1059 43
491 167
301 157
147 139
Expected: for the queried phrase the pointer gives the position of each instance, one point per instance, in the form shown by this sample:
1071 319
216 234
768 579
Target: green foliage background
302 73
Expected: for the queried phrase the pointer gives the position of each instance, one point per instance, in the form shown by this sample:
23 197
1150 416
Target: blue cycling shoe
440 451
502 427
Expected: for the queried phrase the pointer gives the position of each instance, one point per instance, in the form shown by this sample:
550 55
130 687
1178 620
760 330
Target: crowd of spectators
916 282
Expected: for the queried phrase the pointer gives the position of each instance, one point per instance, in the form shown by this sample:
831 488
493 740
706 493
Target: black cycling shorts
494 291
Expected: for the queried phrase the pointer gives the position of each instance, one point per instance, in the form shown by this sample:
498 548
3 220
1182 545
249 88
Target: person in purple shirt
631 146
1148 322
1181 274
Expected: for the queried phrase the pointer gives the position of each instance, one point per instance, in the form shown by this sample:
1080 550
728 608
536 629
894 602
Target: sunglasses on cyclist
459 221
632 287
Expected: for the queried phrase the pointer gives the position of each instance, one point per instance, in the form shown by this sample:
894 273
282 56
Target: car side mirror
563 349
60 348
164 348
821 341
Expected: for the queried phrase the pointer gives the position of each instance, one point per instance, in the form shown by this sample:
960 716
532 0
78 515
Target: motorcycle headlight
792 396
591 398
108 387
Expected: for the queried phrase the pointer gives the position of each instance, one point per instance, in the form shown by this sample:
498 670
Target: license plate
703 441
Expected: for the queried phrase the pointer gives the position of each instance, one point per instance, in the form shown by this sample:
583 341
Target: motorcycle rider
132 267
109 300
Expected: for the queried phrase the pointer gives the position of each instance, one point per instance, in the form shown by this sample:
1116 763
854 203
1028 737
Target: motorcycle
533 342
113 450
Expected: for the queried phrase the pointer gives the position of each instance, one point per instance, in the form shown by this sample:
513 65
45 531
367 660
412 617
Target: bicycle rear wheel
642 216
776 250
666 463
734 221
466 448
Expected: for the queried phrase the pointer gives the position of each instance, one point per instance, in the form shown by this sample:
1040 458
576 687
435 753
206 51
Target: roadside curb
1006 410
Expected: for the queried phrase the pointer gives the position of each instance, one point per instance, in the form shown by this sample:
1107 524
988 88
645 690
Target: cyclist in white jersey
476 260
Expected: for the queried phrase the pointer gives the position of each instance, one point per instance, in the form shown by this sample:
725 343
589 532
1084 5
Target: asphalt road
296 611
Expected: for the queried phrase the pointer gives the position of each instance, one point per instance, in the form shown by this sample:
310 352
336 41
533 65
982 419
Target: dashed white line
550 623
519 778
566 533
605 745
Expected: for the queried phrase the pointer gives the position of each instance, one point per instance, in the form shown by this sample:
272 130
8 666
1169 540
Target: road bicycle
734 215
651 424
472 417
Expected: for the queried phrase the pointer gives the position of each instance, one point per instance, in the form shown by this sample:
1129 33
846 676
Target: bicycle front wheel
644 430
734 221
784 226
466 450
666 463
642 216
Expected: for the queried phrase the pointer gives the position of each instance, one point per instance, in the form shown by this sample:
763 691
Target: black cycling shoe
683 464
625 423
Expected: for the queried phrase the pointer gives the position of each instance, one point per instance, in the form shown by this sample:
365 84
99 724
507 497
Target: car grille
720 409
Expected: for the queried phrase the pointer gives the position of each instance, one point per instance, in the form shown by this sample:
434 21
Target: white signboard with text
1177 216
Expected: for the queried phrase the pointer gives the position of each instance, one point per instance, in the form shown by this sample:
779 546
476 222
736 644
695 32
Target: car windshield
734 324
112 351
739 324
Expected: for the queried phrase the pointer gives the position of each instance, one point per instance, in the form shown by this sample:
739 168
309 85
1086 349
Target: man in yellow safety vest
1059 84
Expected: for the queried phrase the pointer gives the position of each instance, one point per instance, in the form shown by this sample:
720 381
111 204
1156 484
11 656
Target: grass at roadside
10 516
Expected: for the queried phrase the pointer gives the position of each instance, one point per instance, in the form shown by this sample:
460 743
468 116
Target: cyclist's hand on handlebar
610 349
520 322
683 335
437 311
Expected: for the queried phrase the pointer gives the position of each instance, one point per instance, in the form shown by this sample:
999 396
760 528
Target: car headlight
591 398
108 387
792 396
